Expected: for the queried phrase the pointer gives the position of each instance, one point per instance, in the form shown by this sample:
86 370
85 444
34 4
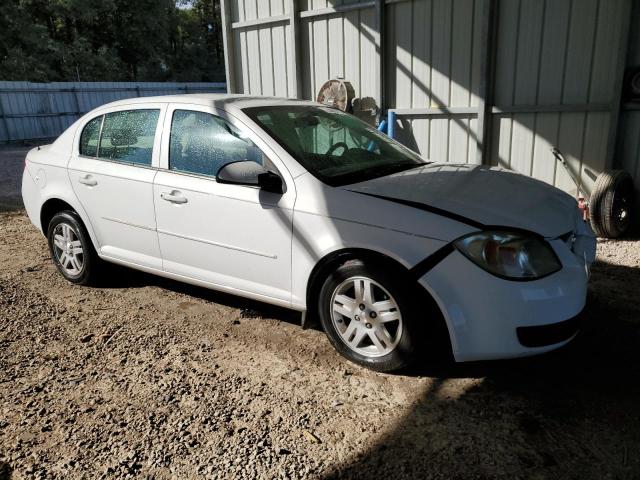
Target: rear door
233 236
112 171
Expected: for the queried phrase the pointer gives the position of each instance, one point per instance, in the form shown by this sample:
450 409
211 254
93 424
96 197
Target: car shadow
5 471
117 277
572 413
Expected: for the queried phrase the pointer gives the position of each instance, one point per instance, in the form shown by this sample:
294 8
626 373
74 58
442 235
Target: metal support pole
381 66
487 68
227 43
296 72
391 124
75 96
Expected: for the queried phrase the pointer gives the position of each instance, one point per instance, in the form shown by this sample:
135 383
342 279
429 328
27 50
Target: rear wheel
612 204
369 315
71 248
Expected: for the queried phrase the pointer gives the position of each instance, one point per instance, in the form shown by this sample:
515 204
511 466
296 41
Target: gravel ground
149 378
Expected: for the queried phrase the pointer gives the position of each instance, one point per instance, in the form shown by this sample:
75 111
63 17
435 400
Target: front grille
543 335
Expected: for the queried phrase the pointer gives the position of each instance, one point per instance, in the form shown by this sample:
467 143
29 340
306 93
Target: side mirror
246 172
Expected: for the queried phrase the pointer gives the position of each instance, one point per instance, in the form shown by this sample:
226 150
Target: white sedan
300 205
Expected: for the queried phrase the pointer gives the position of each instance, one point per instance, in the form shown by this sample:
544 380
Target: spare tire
612 203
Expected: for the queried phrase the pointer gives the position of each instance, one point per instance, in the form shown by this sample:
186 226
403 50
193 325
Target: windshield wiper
386 170
367 174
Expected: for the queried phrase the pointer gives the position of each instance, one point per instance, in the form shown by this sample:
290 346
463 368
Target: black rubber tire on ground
612 204
91 262
402 290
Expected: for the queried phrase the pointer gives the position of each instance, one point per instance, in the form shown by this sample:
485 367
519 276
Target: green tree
110 40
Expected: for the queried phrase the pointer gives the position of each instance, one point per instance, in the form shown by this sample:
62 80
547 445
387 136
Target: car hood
480 196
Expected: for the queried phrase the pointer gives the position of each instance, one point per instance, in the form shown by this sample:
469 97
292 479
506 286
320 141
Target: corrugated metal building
478 81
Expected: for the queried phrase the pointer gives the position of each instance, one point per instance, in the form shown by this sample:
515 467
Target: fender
316 236
56 190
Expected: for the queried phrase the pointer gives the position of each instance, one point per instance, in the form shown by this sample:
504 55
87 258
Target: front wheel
369 316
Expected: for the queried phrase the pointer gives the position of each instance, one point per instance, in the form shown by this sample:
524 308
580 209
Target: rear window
126 136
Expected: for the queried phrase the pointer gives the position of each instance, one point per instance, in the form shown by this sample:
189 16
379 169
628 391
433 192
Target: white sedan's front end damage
491 318
490 315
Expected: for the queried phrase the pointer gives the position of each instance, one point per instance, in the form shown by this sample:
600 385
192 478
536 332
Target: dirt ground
145 377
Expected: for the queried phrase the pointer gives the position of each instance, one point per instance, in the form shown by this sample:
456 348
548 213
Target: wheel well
49 209
334 259
330 262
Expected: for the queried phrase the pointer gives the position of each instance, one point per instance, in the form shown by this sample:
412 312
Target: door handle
88 180
173 197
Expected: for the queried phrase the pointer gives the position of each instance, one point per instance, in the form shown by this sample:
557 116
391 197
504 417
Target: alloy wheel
366 317
68 249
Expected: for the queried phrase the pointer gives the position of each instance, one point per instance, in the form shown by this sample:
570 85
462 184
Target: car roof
221 101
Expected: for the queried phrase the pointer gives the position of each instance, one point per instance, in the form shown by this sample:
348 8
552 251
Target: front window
336 147
202 143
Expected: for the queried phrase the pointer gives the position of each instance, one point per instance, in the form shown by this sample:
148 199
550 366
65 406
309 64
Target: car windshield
336 147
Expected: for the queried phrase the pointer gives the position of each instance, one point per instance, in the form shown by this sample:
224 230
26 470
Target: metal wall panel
41 110
558 54
434 63
633 58
342 44
628 151
264 59
243 10
546 75
331 44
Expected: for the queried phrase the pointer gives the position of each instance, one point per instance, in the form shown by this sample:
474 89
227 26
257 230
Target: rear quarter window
90 137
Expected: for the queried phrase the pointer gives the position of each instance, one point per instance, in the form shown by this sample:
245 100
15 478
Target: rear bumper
31 198
491 318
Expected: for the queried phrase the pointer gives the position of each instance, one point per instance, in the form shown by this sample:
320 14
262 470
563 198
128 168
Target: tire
400 345
612 204
66 234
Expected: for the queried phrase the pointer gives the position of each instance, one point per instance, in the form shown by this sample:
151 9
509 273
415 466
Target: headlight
513 255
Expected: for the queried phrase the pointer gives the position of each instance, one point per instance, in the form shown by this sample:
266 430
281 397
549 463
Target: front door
111 172
237 238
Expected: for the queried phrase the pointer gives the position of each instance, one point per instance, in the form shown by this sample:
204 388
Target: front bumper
545 335
492 318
